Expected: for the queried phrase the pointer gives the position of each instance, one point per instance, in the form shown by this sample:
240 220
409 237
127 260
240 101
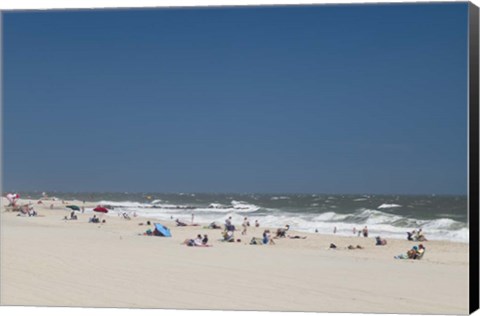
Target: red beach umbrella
100 209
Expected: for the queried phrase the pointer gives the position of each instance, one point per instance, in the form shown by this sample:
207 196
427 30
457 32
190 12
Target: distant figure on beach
335 229
282 232
257 224
379 241
51 206
416 253
205 240
354 230
228 225
214 225
12 199
197 242
365 231
350 247
179 223
296 237
267 238
245 225
228 236
359 232
420 236
410 236
316 230
193 216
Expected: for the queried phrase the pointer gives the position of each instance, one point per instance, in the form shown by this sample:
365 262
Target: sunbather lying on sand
296 237
214 225
350 247
179 223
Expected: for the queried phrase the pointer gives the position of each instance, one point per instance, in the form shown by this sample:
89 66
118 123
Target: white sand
46 261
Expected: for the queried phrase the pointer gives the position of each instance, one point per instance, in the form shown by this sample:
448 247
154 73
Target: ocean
441 217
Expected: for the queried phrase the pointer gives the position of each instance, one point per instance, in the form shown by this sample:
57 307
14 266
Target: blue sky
334 99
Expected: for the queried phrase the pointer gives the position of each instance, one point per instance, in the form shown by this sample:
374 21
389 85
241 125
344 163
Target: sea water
441 217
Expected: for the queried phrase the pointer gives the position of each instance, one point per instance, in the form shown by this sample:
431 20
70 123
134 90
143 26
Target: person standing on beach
335 229
354 230
245 225
365 231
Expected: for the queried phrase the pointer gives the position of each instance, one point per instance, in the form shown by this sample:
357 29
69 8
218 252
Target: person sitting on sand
281 232
257 224
267 238
228 236
205 240
411 254
420 236
148 232
197 242
125 216
379 241
410 236
296 237
179 223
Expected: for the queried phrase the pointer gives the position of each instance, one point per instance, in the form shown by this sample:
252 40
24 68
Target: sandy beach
47 261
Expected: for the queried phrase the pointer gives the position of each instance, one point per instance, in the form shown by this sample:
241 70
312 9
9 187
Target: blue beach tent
164 231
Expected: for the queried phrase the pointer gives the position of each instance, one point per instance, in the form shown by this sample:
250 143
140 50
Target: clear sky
333 99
